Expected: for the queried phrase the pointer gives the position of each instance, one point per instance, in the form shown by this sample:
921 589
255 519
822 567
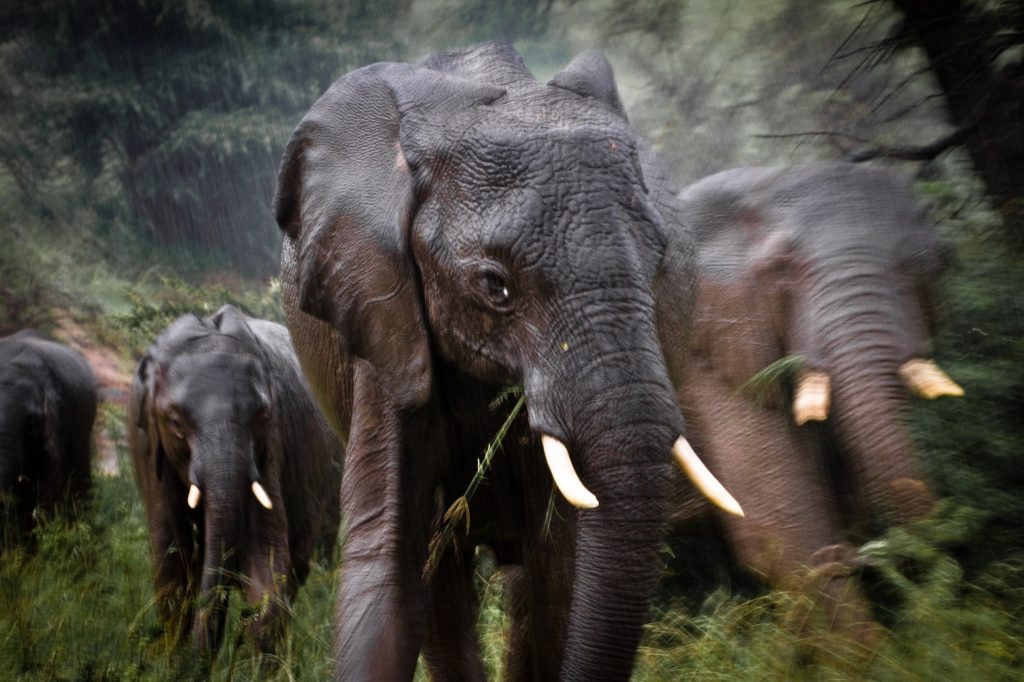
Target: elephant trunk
862 347
613 406
630 474
221 467
870 422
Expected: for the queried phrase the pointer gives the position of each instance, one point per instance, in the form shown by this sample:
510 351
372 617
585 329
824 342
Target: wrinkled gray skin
221 402
47 410
836 263
451 228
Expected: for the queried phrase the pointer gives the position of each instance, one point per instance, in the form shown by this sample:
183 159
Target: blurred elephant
47 410
454 227
238 471
835 263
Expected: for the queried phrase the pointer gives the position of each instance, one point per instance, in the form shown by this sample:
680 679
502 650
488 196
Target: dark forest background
139 141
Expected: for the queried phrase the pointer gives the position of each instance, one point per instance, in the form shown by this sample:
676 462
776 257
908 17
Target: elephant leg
538 597
381 604
772 469
451 648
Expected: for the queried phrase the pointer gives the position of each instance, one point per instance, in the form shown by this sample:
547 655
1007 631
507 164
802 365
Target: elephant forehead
585 239
518 155
215 380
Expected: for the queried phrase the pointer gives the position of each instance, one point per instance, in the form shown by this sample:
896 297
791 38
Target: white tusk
193 496
811 402
562 471
705 481
261 495
924 378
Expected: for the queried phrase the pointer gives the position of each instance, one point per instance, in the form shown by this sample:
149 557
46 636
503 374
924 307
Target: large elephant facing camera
454 227
238 470
47 410
837 264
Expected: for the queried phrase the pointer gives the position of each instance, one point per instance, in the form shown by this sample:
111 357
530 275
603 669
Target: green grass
946 624
80 607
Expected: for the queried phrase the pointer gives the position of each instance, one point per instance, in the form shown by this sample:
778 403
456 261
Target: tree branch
907 153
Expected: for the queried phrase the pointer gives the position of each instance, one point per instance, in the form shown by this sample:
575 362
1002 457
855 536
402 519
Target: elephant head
456 218
47 408
837 264
207 453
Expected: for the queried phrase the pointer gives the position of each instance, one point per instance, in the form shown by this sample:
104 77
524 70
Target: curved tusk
812 398
261 495
562 471
193 496
705 481
924 378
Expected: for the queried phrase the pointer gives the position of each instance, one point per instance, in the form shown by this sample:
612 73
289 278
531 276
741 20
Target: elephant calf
47 410
238 471
837 264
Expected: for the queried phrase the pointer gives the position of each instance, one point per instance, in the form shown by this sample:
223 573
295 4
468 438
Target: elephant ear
141 417
590 75
346 200
749 273
230 321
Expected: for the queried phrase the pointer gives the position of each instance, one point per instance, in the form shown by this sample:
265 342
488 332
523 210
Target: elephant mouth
556 454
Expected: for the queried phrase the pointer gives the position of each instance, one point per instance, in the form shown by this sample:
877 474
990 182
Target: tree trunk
960 42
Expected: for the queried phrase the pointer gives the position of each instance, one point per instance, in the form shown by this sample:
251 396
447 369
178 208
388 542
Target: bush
152 311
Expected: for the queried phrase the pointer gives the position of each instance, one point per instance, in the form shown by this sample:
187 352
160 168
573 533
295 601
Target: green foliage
173 114
80 604
28 292
153 310
766 383
945 625
973 445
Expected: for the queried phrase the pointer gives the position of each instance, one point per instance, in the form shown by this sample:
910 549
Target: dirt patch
113 378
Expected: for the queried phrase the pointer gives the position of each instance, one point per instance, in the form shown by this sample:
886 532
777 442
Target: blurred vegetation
138 146
81 606
151 312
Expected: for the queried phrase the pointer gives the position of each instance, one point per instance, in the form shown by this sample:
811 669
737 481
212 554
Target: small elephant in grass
452 228
47 410
238 470
835 263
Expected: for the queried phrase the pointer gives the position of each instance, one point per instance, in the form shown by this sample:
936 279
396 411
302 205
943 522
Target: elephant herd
452 228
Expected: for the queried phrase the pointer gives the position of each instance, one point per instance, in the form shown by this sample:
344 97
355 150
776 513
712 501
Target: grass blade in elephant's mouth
458 512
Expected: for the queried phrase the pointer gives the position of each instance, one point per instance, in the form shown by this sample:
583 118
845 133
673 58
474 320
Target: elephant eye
495 287
175 425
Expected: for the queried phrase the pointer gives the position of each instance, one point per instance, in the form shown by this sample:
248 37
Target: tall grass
79 606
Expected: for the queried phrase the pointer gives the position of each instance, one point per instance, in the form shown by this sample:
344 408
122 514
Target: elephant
47 410
453 228
835 267
238 471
